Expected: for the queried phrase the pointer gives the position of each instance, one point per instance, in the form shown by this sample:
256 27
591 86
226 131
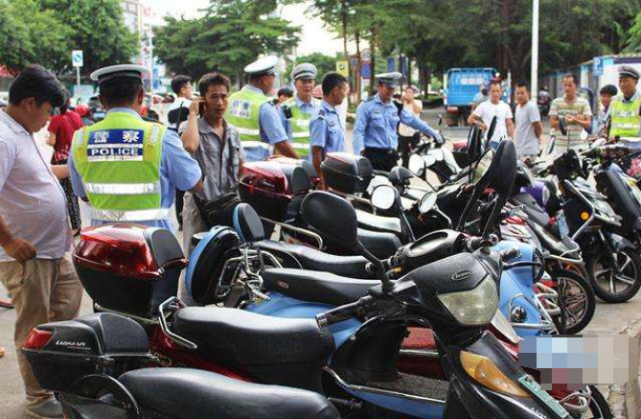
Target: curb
625 399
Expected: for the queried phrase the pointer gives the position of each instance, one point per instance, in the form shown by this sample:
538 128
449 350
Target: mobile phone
201 108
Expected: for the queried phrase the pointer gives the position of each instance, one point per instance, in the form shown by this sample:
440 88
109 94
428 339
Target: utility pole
534 76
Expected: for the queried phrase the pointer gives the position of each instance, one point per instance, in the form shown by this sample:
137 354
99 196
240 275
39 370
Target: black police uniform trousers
384 159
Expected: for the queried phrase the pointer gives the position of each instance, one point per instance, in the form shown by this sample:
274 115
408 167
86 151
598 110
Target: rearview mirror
482 166
427 202
417 165
490 131
332 216
383 197
503 169
550 146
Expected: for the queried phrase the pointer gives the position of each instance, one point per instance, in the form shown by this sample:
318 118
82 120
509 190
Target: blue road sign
597 66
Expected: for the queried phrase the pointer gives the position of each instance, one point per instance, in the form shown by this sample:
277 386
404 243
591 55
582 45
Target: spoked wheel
598 408
5 298
615 279
578 301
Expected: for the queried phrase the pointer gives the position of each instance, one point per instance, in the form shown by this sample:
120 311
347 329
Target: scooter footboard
99 396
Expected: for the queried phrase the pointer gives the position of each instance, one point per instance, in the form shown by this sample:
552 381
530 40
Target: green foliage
97 28
26 36
230 35
46 31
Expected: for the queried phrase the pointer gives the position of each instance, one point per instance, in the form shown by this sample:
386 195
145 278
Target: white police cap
627 71
266 65
390 79
304 71
120 72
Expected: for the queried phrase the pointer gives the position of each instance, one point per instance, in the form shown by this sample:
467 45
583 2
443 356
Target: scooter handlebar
342 313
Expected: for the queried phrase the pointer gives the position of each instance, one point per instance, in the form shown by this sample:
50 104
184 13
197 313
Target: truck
460 87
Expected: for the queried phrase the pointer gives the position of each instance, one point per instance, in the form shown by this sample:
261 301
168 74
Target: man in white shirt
486 111
35 237
528 125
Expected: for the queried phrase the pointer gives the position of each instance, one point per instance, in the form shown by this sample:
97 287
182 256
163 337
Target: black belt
376 150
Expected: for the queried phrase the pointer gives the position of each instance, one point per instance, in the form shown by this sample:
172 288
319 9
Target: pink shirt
32 202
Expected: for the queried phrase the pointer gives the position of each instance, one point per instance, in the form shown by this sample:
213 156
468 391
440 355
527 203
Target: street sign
366 70
597 66
391 64
77 59
342 68
366 55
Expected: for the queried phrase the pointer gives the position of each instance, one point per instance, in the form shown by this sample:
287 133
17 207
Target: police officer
327 132
377 119
255 116
297 112
126 167
625 108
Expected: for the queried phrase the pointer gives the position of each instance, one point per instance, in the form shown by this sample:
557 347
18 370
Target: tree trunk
344 22
357 71
372 51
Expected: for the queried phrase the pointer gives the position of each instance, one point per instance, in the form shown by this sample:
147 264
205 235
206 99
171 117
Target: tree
98 29
26 36
232 34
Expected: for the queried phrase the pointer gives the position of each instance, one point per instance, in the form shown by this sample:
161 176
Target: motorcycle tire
572 325
632 264
598 408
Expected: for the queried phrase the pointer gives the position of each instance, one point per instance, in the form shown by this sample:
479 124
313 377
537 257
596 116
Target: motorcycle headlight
474 307
485 372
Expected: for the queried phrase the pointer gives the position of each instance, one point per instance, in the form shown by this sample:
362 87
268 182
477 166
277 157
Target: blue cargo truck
461 85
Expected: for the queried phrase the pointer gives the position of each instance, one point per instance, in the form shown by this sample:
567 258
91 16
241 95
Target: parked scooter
613 261
457 296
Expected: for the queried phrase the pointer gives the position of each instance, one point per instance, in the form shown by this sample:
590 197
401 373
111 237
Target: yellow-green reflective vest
625 120
118 160
243 113
299 123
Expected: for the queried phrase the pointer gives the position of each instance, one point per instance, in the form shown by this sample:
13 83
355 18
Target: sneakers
47 409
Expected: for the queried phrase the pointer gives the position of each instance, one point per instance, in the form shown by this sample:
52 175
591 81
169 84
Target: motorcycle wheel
598 408
612 287
578 300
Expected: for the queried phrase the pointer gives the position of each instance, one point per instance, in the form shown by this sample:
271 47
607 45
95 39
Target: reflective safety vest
118 160
243 113
625 120
299 123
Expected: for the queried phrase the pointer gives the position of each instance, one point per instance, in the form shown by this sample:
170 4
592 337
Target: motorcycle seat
315 260
179 393
380 244
374 222
316 287
245 338
532 209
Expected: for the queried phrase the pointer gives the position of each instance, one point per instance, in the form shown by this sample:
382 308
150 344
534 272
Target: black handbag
220 210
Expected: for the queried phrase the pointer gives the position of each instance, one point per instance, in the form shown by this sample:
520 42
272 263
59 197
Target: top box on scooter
270 186
129 268
347 173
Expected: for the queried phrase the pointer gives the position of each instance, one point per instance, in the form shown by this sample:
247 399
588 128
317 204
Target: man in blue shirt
377 119
120 94
327 133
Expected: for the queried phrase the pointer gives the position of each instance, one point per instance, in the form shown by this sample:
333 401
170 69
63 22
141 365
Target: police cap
266 65
304 71
627 71
390 79
119 73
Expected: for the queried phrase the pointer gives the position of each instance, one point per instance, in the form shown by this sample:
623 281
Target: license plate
534 388
564 230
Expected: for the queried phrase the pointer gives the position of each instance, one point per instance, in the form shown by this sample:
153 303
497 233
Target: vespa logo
461 276
69 343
